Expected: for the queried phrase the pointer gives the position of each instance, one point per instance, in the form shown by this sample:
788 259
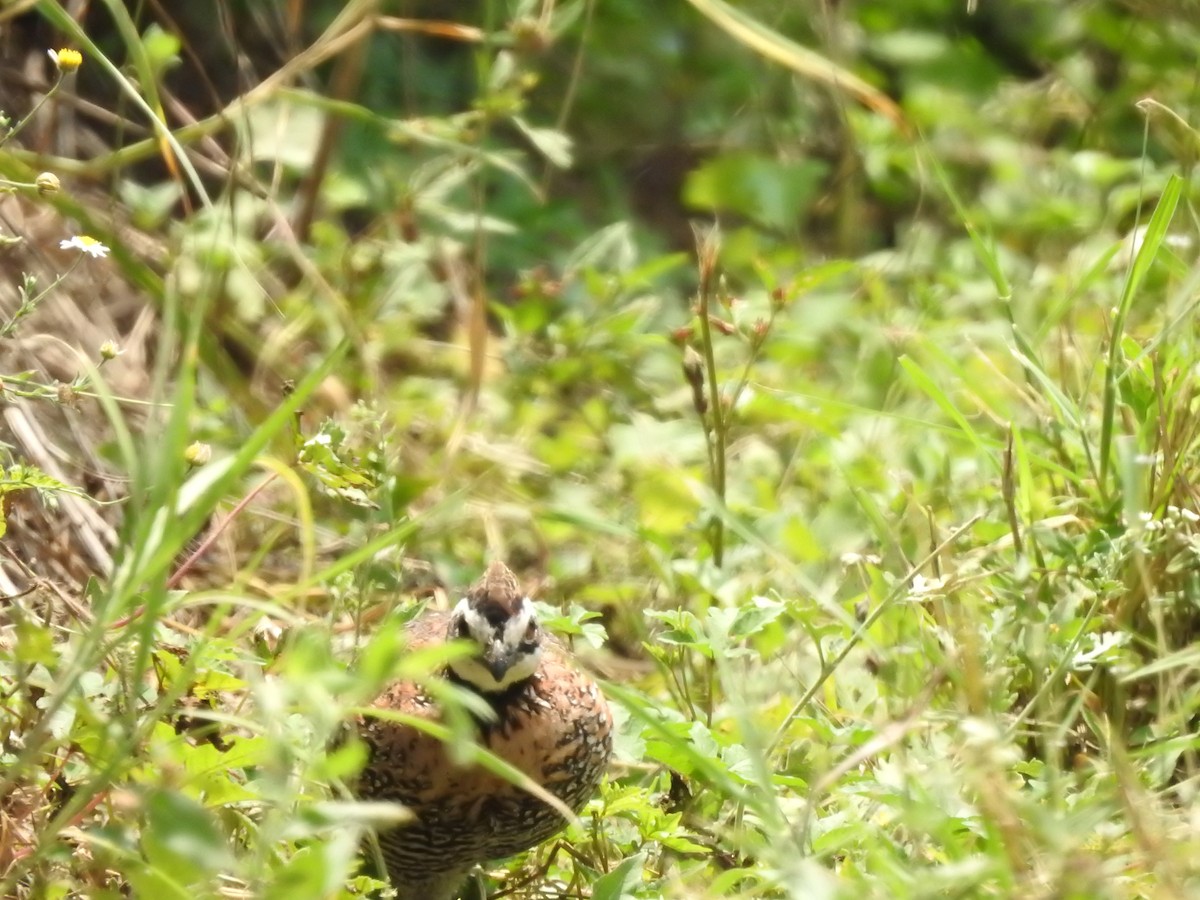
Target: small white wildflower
978 731
1104 647
1189 514
1148 523
922 586
851 558
88 245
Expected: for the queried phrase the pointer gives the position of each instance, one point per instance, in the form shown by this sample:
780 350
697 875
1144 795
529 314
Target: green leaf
768 191
550 142
1160 221
181 838
327 457
35 643
618 883
755 615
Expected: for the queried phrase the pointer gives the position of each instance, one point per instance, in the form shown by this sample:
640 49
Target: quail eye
461 629
531 632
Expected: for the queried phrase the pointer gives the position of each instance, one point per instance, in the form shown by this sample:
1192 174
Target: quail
551 722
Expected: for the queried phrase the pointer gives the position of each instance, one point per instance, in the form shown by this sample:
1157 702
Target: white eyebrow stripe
514 628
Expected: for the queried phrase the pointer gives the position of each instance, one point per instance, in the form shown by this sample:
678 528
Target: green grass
886 556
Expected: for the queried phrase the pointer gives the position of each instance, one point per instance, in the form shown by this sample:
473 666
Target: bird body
552 723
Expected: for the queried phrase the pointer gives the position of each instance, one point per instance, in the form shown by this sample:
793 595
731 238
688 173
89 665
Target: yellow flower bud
47 184
66 60
197 454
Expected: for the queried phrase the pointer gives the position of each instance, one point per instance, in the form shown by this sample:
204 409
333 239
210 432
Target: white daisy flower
88 245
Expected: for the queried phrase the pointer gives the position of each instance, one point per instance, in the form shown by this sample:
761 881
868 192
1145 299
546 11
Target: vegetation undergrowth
839 407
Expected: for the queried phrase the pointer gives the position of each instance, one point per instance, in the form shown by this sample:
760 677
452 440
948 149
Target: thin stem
707 247
29 115
29 305
210 539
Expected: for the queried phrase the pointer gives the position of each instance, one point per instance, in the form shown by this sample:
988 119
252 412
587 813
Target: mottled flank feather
554 726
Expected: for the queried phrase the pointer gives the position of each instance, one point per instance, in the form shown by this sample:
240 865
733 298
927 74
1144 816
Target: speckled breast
557 729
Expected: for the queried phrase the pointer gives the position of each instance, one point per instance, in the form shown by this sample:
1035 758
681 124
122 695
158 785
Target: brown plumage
552 723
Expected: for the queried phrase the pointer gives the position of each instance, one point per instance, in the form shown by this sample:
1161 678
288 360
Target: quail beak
498 659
